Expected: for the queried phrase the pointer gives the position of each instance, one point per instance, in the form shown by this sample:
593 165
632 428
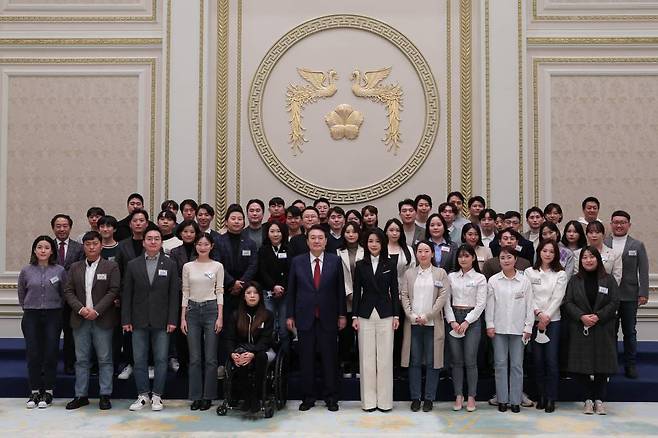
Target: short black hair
534 209
621 213
590 199
298 201
513 232
316 227
92 235
61 216
336 209
551 226
277 200
207 207
233 208
457 194
135 196
186 223
108 220
136 212
169 204
509 214
421 197
191 202
282 227
308 207
152 227
293 211
356 213
488 211
444 205
167 214
321 199
407 201
95 211
553 206
256 201
477 198
595 226
52 260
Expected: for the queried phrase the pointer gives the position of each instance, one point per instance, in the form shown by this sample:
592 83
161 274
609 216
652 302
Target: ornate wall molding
221 111
85 18
80 41
314 26
167 99
200 115
487 101
591 41
448 96
466 94
238 112
536 16
520 52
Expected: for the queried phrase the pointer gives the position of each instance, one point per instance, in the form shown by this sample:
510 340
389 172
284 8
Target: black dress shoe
415 405
196 404
516 409
502 407
104 403
550 406
306 405
370 410
428 405
540 403
384 410
205 405
332 405
631 372
77 402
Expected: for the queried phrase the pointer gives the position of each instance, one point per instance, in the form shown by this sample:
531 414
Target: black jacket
272 268
378 290
261 340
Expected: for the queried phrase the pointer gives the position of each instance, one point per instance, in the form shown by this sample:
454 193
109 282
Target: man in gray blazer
634 286
149 309
92 286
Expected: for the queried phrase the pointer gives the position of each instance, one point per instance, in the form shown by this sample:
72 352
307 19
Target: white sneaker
33 401
174 365
598 406
221 372
151 373
142 400
589 407
493 401
126 373
156 403
526 402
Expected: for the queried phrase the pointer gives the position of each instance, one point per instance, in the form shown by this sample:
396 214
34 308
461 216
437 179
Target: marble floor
623 419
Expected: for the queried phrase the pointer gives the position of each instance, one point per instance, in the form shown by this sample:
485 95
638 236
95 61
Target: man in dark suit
525 247
68 252
298 244
316 307
149 310
92 286
135 202
634 286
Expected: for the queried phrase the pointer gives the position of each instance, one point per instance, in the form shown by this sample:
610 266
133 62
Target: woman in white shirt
465 304
549 283
472 236
509 319
423 294
398 249
595 232
201 321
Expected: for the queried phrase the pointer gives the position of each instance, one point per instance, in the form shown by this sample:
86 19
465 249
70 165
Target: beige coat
440 296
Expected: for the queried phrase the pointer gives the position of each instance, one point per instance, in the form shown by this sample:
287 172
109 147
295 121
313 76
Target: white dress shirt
375 262
423 295
548 288
509 304
90 272
466 290
66 246
312 258
611 262
486 240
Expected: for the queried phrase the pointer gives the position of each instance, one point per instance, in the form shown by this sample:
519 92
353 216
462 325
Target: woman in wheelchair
249 339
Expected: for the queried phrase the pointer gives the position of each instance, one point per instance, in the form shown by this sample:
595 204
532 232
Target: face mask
541 337
585 331
454 334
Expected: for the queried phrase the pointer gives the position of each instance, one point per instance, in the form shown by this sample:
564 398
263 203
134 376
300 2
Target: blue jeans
627 318
508 346
422 352
464 352
202 342
278 307
89 335
159 341
546 358
41 329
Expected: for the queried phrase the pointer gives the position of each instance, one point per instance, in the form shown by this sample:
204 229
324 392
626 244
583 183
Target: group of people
428 291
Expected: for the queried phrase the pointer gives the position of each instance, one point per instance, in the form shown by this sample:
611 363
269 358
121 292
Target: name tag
262 325
632 253
101 276
210 275
386 272
535 280
603 290
282 255
111 258
54 280
480 259
518 248
162 272
246 252
604 258
470 284
445 248
518 295
438 284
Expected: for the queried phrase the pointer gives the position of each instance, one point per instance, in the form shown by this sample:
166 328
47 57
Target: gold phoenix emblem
368 86
320 85
344 122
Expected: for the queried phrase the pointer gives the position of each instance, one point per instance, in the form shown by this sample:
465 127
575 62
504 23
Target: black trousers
250 378
69 345
596 389
312 341
41 329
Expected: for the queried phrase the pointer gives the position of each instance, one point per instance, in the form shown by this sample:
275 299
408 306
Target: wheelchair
274 392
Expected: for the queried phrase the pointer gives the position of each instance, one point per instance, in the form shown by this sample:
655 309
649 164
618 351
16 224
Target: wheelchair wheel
222 409
281 381
268 409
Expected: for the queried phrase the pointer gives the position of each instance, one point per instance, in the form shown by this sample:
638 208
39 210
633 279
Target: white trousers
376 361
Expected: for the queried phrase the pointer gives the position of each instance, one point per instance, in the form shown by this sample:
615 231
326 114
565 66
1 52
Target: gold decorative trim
466 96
590 41
238 118
448 97
199 158
167 100
4 286
80 41
519 51
535 93
619 17
346 21
151 62
221 112
83 18
487 101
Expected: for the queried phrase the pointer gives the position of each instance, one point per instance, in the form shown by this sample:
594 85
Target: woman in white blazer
350 252
549 283
509 318
595 232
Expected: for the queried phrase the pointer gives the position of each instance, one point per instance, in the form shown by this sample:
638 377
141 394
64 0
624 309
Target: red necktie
62 253
316 282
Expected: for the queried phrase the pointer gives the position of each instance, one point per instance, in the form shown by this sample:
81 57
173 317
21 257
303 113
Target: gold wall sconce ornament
320 85
344 122
369 86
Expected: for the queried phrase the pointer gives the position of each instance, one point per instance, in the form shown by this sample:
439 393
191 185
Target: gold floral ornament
321 85
344 122
368 86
